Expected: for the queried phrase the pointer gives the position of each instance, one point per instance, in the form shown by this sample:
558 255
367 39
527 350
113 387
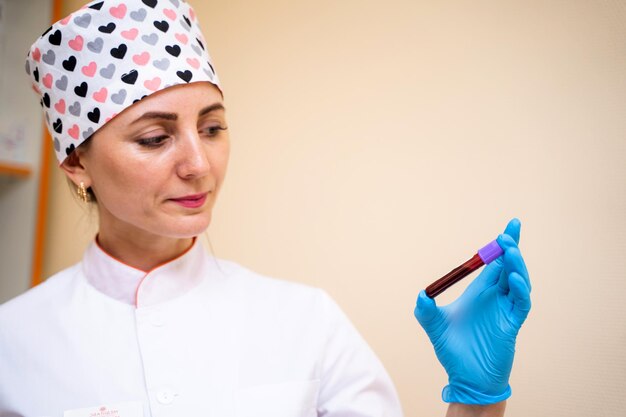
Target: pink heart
192 14
108 119
153 84
37 54
119 11
74 131
76 43
101 95
130 34
47 80
193 62
182 38
170 13
60 106
142 58
65 20
90 70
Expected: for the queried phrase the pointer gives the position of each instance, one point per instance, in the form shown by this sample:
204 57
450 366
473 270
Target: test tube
484 256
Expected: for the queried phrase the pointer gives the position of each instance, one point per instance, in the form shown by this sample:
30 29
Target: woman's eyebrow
174 116
211 108
156 115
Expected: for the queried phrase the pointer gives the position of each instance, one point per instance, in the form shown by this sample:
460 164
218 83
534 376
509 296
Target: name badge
127 409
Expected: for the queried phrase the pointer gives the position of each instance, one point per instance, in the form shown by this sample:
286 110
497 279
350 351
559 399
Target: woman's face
156 168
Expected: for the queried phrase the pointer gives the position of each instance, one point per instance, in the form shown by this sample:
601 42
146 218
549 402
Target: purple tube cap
490 252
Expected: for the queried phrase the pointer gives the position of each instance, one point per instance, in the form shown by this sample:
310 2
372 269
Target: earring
82 193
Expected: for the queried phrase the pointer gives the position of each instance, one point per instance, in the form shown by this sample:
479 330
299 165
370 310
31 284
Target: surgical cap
91 65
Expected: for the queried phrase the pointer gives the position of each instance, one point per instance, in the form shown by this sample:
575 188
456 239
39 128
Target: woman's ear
75 170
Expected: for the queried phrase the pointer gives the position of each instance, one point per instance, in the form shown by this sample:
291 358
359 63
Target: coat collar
145 288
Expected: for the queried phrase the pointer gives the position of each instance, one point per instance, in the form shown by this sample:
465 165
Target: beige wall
377 144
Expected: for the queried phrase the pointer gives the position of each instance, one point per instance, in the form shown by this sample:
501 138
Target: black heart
96 6
108 28
163 26
69 149
120 51
150 3
46 100
94 115
200 43
187 20
58 126
139 99
36 74
70 63
211 66
131 77
81 90
47 30
185 75
55 38
173 50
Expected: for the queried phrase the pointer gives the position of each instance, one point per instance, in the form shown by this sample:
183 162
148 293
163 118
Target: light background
375 145
21 136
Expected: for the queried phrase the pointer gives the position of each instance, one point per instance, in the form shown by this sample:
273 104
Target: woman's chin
190 228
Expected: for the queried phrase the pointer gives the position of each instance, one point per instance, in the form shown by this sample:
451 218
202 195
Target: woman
148 324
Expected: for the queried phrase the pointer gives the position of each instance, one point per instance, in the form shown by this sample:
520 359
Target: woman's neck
143 252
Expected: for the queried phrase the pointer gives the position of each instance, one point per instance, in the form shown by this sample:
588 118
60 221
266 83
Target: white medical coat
201 337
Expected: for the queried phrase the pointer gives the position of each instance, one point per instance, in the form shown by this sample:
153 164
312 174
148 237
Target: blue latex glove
474 337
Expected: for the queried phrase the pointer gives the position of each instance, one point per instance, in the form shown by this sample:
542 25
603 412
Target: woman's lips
191 201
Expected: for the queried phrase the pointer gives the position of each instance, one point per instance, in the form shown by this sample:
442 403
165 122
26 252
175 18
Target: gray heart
95 45
162 64
61 83
49 57
196 49
175 2
207 72
87 133
184 24
57 145
27 67
139 15
75 109
83 21
150 39
108 71
119 97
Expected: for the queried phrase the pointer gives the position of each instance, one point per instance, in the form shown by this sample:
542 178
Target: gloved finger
429 316
514 262
506 242
426 310
513 229
520 294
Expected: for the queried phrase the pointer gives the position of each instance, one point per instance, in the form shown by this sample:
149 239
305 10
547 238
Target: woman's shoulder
265 289
41 297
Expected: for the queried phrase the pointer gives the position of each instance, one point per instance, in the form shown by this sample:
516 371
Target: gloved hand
474 336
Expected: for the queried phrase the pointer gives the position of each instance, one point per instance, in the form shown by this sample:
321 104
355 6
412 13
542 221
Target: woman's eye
213 130
152 142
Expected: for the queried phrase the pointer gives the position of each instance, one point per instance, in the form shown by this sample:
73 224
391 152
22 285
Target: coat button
165 396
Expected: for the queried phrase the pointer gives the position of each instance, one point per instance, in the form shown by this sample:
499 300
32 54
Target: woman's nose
193 158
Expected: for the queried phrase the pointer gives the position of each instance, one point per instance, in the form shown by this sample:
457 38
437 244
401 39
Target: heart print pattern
94 63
